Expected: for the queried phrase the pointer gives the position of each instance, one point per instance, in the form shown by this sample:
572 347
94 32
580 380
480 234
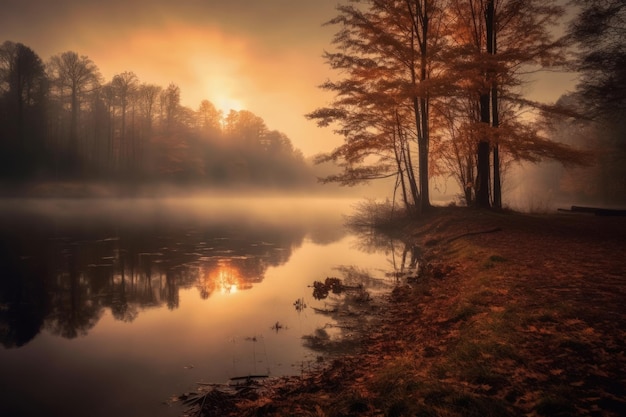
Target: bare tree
124 86
72 77
170 106
147 97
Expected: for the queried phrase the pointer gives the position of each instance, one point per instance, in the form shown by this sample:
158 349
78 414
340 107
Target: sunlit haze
262 56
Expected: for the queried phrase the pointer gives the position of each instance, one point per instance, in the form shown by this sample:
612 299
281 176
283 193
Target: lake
112 307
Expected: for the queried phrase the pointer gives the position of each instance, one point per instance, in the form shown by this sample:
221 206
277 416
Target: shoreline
512 315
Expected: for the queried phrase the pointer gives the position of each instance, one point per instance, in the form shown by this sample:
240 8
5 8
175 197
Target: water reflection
62 272
403 256
168 294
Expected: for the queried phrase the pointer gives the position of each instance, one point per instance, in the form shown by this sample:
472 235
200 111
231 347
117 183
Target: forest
60 121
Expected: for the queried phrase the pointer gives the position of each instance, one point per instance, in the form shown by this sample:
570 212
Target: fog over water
111 306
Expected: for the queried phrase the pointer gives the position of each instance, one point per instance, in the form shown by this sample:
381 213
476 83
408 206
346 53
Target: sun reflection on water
228 279
222 277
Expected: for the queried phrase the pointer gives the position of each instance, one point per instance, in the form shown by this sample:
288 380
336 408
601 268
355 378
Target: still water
111 307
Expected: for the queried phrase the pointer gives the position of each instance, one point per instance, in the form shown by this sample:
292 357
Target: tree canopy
439 82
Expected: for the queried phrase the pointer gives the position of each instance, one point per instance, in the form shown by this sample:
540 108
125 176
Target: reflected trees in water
65 278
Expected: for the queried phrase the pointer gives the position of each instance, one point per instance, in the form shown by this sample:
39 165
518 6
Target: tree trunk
424 143
495 121
497 186
484 148
423 158
420 104
482 187
399 156
410 173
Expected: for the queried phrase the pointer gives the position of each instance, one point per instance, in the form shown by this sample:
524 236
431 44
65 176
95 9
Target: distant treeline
60 120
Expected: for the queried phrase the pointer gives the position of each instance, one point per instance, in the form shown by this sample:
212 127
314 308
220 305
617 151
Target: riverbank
512 315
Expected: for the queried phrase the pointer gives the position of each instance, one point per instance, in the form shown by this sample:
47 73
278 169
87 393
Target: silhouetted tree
599 31
209 118
73 77
603 181
597 123
124 87
245 126
23 90
170 107
148 99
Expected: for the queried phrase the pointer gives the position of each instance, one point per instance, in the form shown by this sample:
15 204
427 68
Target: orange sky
260 55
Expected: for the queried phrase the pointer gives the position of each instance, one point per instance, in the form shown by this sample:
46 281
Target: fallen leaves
543 332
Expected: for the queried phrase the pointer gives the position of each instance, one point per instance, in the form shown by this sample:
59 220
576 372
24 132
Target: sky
264 56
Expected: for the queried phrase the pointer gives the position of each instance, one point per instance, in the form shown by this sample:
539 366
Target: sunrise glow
226 104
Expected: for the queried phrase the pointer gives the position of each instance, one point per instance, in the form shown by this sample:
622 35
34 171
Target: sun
225 103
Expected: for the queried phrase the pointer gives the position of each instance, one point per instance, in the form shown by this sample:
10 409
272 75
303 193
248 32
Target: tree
245 127
23 91
170 106
124 87
423 27
363 113
209 117
72 77
599 31
389 53
497 43
147 98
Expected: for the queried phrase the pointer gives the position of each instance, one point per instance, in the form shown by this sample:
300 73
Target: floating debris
331 284
247 379
299 304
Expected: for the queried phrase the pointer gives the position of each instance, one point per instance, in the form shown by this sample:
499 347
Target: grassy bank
512 315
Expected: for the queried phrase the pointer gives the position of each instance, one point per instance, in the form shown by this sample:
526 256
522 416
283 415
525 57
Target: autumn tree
426 26
496 44
389 53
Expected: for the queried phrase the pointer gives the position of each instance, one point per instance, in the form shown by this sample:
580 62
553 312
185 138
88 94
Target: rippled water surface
110 307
